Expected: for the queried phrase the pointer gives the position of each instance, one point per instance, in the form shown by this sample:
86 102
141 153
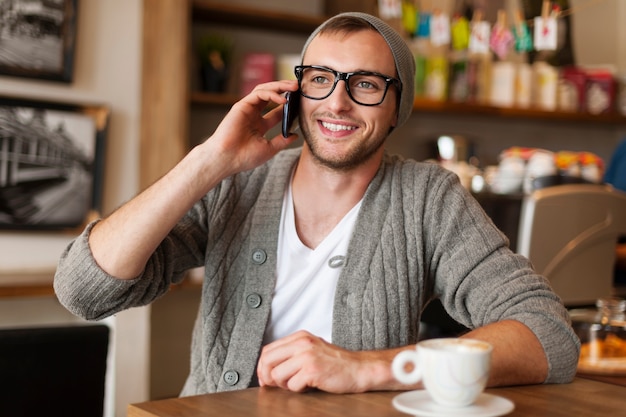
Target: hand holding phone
290 111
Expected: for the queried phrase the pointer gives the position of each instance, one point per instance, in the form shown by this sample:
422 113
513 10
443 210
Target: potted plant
214 54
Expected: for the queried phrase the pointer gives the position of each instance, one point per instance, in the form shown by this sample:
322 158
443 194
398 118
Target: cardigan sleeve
481 281
89 292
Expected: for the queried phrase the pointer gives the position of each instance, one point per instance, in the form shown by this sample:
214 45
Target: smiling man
346 129
319 260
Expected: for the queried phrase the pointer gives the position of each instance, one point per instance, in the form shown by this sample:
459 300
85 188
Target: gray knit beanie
405 64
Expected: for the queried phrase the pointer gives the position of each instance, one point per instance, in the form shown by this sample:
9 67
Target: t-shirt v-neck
307 278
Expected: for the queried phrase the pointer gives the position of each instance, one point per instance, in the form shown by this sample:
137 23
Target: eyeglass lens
365 88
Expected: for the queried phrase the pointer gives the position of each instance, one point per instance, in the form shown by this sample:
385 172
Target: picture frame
37 39
51 163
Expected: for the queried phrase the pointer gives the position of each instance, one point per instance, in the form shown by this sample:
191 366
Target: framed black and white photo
51 163
37 38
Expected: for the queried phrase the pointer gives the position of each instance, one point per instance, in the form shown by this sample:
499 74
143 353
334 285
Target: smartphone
290 111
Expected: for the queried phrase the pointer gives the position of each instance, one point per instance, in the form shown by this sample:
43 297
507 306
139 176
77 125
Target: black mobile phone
290 111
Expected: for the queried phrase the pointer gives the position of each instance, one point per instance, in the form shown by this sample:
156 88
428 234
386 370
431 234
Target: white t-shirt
307 278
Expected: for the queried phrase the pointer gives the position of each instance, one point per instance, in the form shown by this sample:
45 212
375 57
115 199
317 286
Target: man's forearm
518 357
123 242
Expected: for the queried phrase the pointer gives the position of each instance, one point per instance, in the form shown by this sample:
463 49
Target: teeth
336 128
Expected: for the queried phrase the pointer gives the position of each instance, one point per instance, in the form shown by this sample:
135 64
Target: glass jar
602 332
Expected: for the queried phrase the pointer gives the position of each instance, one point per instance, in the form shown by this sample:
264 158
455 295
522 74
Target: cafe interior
532 130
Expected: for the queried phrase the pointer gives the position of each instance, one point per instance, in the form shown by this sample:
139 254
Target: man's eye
366 85
319 79
370 83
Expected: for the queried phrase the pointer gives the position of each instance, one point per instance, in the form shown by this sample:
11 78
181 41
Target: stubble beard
354 157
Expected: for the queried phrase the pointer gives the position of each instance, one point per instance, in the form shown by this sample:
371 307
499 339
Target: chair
569 233
615 175
53 371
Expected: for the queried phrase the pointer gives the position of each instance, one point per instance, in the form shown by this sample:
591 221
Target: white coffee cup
454 371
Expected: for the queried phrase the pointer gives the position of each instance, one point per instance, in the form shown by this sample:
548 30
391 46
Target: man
318 261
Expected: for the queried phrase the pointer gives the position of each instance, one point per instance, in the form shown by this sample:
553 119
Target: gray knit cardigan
419 235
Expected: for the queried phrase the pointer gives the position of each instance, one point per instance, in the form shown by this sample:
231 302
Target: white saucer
419 403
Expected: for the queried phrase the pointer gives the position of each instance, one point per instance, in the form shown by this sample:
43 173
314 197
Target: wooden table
581 398
610 379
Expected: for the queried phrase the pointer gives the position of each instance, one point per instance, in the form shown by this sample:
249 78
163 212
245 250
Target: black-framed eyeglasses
364 87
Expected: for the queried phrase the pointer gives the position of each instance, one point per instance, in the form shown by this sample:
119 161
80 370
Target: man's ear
394 123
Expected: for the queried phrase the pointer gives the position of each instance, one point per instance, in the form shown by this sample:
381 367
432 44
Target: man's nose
340 99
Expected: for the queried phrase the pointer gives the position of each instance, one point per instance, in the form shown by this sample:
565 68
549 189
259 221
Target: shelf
19 285
26 291
210 12
26 286
422 105
446 107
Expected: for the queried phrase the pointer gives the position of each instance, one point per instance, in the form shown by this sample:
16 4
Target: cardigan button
231 377
259 256
344 299
254 300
